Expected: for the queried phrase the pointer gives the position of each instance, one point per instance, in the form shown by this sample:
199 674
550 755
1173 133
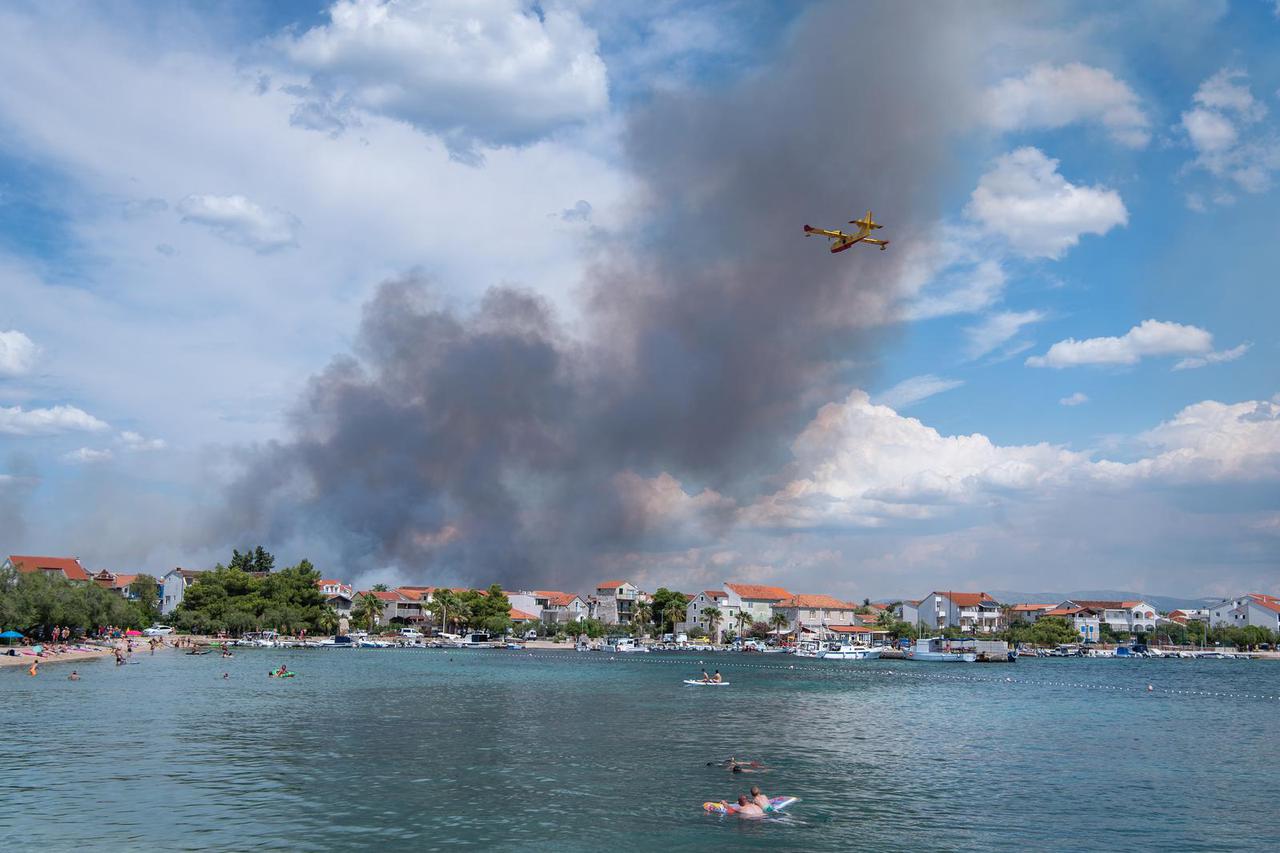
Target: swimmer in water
760 799
74 676
746 808
35 668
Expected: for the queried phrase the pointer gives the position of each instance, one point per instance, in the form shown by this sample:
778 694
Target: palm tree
779 621
674 613
327 621
443 602
743 619
368 611
713 615
642 616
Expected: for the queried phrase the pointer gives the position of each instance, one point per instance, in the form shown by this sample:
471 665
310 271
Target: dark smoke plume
494 445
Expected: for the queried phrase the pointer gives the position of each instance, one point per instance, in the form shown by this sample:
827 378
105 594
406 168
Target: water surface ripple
426 750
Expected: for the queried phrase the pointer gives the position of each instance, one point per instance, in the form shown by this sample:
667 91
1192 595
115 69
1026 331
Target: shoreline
25 656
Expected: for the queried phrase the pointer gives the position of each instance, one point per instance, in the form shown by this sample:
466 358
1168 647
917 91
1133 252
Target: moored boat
938 650
842 651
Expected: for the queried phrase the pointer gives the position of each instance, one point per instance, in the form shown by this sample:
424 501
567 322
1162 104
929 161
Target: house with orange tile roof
1253 608
1122 617
754 600
1028 612
338 595
559 608
68 567
1085 620
817 610
616 601
695 613
974 612
116 582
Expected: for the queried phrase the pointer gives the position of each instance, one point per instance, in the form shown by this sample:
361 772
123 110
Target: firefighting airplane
841 241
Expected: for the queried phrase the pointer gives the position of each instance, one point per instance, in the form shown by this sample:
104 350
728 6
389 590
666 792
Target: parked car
531 634
158 631
411 633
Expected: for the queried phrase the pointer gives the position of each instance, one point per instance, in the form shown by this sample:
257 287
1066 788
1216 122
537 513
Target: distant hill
1162 602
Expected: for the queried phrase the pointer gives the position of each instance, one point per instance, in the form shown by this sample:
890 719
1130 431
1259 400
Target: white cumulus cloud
864 465
15 420
915 389
1039 212
1148 338
1050 96
1223 126
17 353
1079 398
497 72
236 219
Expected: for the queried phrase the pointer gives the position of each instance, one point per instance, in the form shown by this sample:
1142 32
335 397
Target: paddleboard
776 804
697 683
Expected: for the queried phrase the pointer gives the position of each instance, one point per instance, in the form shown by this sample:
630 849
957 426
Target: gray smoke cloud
493 444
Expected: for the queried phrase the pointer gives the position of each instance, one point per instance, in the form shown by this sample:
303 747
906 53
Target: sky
454 292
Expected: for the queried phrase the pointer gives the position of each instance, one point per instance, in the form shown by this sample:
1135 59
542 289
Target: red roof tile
818 602
758 591
69 566
610 585
555 598
1270 602
521 616
968 599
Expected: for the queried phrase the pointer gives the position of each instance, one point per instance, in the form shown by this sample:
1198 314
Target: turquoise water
425 749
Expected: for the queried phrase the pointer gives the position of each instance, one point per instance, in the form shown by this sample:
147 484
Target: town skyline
283 274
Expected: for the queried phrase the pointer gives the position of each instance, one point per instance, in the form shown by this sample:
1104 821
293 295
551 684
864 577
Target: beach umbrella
10 636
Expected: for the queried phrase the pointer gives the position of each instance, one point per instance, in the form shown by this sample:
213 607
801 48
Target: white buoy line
884 672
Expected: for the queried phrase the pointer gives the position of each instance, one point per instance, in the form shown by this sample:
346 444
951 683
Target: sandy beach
23 655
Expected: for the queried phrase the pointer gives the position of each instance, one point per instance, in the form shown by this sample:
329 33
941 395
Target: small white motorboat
841 651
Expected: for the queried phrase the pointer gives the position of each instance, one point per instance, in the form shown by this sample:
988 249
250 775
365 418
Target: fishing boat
843 651
938 650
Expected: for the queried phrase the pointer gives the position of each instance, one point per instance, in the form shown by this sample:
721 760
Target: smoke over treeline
495 444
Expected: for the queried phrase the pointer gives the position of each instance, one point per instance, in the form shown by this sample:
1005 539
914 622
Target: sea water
389 750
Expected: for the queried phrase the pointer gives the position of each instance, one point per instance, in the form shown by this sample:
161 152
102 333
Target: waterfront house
694 612
1087 622
909 611
522 618
1254 608
1028 612
1122 617
1183 616
974 612
173 586
338 595
68 567
117 583
559 608
616 602
755 600
818 609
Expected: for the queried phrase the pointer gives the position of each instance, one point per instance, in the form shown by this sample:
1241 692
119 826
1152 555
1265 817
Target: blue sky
1063 372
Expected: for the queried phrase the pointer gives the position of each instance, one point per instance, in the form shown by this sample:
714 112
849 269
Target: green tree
759 630
1053 631
778 621
642 617
147 590
660 606
381 587
713 617
443 605
743 618
367 611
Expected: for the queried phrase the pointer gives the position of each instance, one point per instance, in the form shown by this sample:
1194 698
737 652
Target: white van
411 633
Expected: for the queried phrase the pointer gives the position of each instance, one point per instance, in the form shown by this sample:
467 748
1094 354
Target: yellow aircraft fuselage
841 241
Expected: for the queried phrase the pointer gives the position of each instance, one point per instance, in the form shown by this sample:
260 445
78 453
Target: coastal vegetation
33 603
248 594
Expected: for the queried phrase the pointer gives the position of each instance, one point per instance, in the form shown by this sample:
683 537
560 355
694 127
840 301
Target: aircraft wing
834 235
